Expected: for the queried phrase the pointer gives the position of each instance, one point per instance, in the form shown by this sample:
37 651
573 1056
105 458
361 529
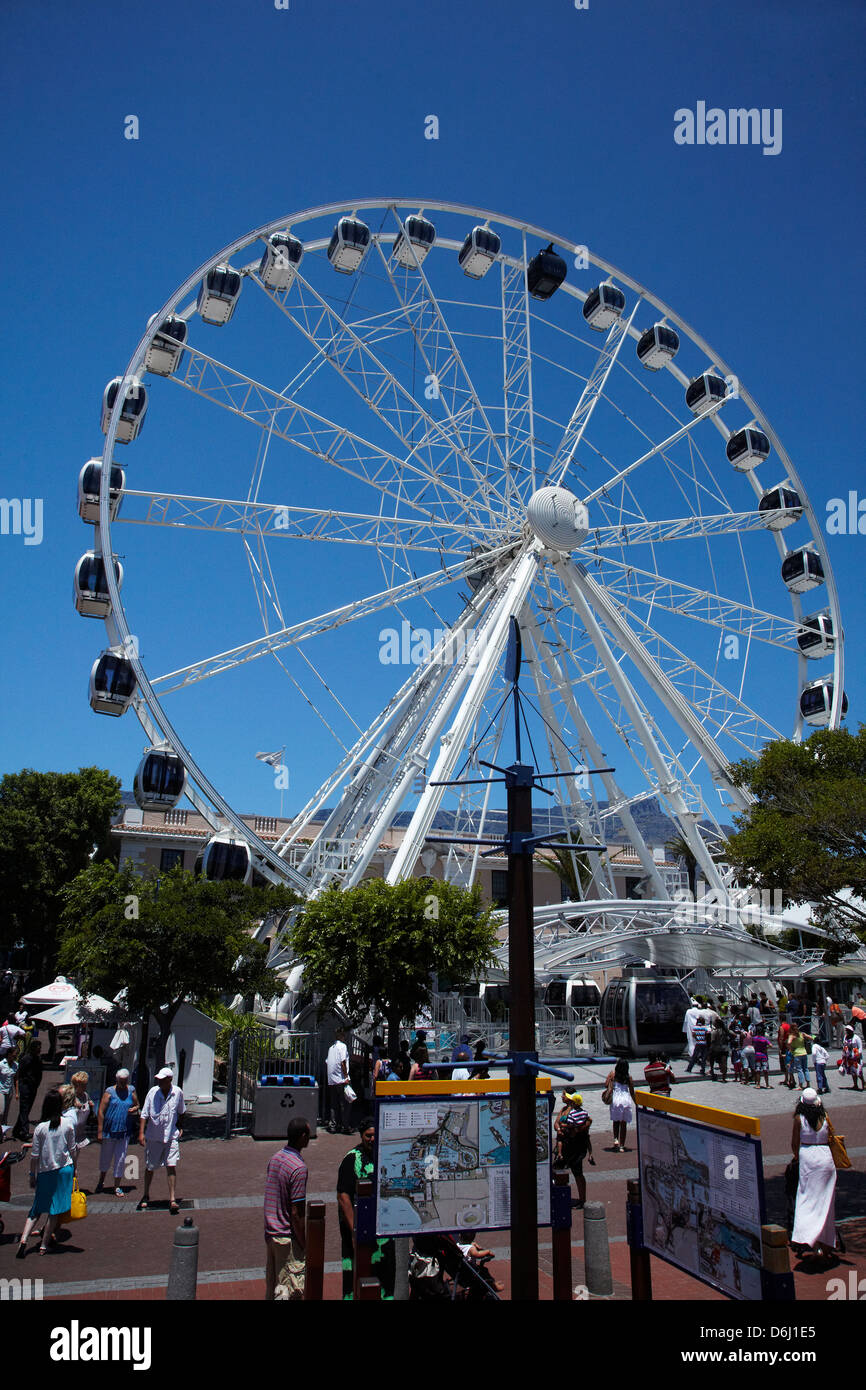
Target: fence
267 1051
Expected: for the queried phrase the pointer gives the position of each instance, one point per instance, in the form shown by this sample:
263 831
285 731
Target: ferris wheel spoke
605 487
278 521
597 380
655 590
339 447
561 682
356 363
587 594
676 529
323 622
517 394
510 599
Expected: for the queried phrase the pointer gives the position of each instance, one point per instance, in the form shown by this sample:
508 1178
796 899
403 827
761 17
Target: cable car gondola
348 246
416 234
112 683
704 392
90 585
132 412
89 480
819 637
657 346
784 500
603 306
545 273
747 448
478 252
225 857
573 993
816 702
159 780
282 256
218 294
643 1013
166 347
802 570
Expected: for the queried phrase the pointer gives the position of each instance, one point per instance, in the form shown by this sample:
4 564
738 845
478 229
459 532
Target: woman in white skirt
620 1089
814 1216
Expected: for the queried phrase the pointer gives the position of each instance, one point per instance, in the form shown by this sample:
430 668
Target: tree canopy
805 836
50 825
165 941
377 946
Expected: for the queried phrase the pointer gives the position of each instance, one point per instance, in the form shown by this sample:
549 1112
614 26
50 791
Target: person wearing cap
159 1130
814 1214
572 1128
118 1105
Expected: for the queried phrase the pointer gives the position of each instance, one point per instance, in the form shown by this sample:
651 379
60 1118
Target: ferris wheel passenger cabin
819 636
704 392
348 245
816 703
90 585
657 346
166 347
802 570
781 499
89 482
224 857
159 780
132 411
418 235
112 684
747 448
603 306
282 256
545 273
478 252
218 295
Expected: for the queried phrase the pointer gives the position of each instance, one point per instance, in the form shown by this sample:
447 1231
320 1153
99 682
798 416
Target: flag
274 759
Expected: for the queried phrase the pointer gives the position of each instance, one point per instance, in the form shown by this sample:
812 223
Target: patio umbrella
68 1011
60 991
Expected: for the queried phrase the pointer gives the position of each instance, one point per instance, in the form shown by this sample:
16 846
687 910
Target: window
169 858
499 887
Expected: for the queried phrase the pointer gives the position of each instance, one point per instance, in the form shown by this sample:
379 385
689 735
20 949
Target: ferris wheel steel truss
458 484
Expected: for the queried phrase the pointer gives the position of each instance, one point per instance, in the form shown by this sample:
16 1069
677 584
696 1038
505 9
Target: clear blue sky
559 116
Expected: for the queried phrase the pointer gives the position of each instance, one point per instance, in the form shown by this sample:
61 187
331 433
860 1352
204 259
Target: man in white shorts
159 1130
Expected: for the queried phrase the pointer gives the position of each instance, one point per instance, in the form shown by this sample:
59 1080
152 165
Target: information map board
702 1195
442 1163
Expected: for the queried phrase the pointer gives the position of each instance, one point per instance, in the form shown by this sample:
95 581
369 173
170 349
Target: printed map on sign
443 1165
701 1195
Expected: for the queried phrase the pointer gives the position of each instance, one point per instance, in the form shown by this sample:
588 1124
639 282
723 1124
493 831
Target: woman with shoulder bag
618 1093
814 1216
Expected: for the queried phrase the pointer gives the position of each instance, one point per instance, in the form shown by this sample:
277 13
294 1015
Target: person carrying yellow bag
52 1170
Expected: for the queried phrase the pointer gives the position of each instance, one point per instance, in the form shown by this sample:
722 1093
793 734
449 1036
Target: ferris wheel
434 417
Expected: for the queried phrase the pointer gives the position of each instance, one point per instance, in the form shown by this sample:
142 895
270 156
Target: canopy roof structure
684 948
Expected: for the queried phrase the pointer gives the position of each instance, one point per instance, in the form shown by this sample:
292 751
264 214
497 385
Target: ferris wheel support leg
573 580
510 601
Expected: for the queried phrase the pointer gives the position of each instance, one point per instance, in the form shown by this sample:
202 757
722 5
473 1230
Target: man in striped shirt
285 1231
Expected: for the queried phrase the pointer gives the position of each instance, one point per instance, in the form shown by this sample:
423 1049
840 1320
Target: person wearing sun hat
572 1128
814 1216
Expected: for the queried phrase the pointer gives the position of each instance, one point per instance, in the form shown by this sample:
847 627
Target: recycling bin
280 1097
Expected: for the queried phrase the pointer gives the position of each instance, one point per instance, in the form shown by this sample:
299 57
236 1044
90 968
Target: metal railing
265 1052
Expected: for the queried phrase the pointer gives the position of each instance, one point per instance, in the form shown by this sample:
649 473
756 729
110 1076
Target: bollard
184 1262
314 1279
401 1280
777 1281
596 1250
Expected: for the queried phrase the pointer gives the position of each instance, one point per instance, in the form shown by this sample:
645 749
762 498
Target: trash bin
280 1097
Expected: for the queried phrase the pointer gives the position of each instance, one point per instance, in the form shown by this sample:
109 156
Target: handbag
837 1148
607 1093
77 1204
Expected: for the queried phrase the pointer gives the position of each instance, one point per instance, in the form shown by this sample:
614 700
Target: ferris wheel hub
558 518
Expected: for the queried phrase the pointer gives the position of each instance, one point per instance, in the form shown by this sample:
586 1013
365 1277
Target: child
761 1044
736 1055
573 1143
820 1058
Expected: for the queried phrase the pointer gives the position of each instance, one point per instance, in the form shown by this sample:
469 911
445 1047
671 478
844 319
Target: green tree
573 870
377 946
805 835
165 940
679 848
51 825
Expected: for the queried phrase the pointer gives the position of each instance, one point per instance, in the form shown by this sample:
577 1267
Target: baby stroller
439 1269
7 1162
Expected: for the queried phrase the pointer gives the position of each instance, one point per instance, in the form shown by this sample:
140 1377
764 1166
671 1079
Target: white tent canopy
67 1013
683 949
